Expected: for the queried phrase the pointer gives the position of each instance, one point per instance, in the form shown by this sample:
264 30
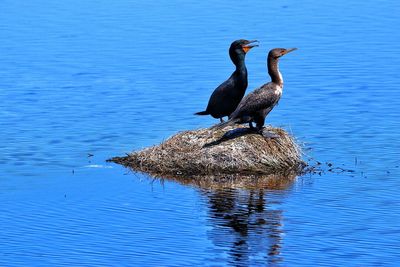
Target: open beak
246 48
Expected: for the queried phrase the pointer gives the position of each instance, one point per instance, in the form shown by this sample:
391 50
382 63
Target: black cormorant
255 106
227 96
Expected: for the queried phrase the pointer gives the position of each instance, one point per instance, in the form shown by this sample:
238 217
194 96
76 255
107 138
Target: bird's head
278 52
241 47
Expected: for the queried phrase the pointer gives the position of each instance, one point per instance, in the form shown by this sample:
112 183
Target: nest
228 153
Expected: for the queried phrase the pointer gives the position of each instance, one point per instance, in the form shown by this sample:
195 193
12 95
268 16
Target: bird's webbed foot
267 134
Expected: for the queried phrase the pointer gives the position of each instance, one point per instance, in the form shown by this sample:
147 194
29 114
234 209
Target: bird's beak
289 50
246 48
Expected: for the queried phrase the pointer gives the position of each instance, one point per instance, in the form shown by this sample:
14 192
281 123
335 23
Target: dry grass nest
210 152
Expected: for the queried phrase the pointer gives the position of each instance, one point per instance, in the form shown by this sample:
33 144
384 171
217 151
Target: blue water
103 78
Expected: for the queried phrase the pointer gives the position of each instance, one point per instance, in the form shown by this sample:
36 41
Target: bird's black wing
261 98
221 91
216 102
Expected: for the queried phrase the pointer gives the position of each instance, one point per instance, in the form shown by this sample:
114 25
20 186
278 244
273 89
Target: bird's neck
238 61
241 69
273 71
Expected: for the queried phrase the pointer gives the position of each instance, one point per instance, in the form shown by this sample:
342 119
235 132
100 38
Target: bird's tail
202 113
222 125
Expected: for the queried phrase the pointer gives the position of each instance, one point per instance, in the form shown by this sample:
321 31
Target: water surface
83 78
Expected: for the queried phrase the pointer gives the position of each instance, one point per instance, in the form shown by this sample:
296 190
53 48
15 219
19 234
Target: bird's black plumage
255 106
227 96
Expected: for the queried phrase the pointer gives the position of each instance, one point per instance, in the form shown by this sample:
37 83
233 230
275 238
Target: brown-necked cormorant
255 106
227 96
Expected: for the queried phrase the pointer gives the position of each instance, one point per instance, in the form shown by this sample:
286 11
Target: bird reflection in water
243 213
246 225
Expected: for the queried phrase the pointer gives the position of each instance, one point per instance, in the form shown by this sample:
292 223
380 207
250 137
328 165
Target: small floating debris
315 167
232 151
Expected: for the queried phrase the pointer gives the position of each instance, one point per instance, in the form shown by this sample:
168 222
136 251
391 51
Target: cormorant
227 96
255 106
